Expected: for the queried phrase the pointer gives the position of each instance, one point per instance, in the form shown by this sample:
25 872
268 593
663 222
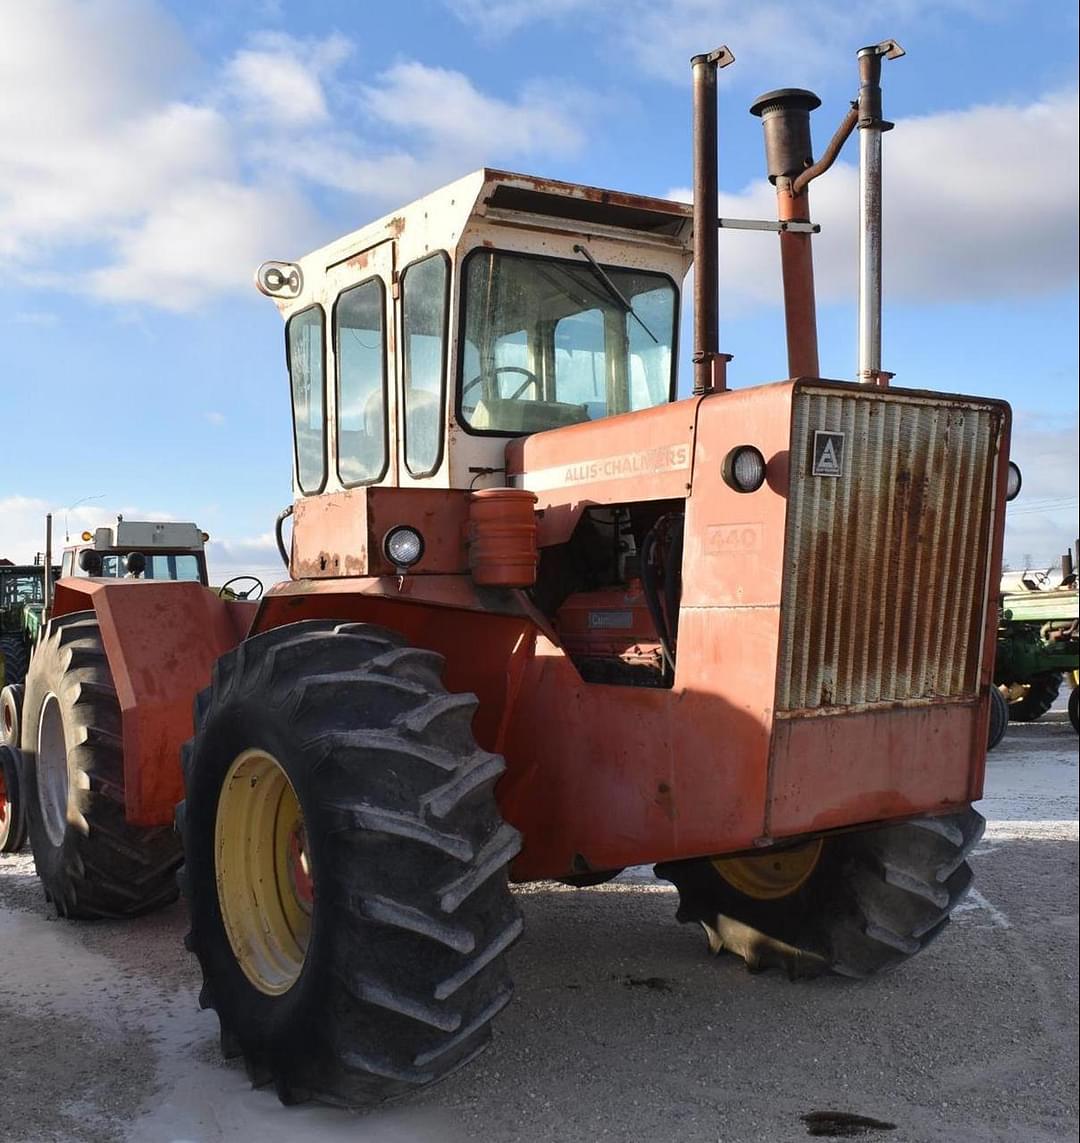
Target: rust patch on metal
666 801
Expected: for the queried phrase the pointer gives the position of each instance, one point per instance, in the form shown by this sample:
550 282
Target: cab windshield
550 342
159 565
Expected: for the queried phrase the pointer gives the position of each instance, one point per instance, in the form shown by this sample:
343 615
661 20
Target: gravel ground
623 1028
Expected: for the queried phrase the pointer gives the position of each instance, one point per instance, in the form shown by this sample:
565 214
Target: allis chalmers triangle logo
828 454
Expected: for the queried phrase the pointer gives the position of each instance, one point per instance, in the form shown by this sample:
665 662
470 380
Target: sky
154 152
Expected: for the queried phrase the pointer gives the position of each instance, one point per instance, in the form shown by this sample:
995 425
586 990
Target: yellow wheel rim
263 876
770 875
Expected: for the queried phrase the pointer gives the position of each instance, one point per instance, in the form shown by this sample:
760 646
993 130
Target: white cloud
114 162
202 240
446 106
443 126
281 80
976 204
214 418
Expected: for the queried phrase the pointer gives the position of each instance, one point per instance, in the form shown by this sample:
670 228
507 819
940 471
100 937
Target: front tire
1074 709
352 933
1039 694
91 862
864 903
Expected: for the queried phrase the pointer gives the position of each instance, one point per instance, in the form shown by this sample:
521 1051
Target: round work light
744 469
403 546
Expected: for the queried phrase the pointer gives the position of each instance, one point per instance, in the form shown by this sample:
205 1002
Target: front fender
161 639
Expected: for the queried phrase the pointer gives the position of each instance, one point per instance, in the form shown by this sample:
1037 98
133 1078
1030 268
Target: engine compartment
612 592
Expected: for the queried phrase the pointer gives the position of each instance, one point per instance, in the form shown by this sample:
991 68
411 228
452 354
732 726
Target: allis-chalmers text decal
667 458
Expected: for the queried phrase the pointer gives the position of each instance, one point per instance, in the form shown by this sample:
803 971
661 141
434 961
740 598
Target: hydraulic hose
279 523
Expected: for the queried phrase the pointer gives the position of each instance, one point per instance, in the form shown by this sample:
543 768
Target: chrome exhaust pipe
871 125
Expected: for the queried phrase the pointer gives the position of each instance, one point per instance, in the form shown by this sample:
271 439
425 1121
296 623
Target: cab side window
424 305
307 369
360 351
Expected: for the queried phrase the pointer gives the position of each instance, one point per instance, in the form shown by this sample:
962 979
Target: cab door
361 400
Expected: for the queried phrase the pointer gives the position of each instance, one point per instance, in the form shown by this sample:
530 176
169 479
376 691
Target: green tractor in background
22 611
22 606
1039 642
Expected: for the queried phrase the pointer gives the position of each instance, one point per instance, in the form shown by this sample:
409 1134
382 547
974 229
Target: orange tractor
544 621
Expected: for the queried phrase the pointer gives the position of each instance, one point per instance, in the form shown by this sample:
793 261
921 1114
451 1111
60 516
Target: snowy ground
101 1037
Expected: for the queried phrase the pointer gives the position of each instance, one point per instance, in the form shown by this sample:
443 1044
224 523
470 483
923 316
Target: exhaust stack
785 117
710 365
871 126
48 585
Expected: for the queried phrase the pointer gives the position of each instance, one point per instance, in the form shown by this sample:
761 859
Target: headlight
744 469
403 546
1013 482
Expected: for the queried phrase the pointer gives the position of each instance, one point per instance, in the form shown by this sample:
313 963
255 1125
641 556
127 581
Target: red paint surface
161 640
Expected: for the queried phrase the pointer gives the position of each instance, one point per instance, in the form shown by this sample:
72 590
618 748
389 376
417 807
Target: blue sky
152 154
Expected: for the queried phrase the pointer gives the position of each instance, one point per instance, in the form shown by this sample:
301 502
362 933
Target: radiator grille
885 587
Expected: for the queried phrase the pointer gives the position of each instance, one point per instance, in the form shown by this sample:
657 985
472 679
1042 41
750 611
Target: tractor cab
499 306
20 585
139 549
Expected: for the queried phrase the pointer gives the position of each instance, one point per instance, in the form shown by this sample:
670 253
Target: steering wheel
530 379
257 587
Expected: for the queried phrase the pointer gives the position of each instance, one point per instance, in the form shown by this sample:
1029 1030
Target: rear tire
1074 709
12 814
1040 695
15 657
874 899
380 966
91 862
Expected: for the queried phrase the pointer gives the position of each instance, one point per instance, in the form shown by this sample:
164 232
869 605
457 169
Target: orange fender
161 640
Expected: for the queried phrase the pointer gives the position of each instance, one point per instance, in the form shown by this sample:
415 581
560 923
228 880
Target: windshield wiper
613 290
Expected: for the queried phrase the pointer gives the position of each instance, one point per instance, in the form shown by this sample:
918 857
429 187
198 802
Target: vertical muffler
785 117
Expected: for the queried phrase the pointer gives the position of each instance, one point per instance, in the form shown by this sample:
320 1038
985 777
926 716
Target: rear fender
161 640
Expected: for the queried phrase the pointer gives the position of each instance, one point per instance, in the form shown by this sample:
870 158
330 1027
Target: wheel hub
262 868
769 876
52 770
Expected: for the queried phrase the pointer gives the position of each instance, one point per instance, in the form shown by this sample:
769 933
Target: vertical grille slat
885 565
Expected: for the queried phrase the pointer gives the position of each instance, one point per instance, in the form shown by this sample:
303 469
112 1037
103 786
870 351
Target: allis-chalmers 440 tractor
543 621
